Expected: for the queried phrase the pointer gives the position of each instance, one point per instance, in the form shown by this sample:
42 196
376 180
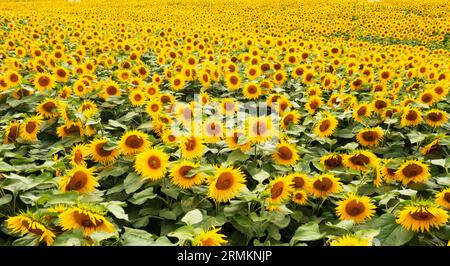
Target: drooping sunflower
151 164
79 179
326 126
291 117
332 160
12 132
181 177
209 237
355 208
380 104
90 218
432 146
78 153
413 171
72 129
101 155
324 185
421 216
435 117
300 197
279 190
410 117
237 139
133 141
47 108
389 173
370 137
88 108
443 198
285 154
227 183
43 81
30 128
349 240
260 129
191 147
29 223
360 160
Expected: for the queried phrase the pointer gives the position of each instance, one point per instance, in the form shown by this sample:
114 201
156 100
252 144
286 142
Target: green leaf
237 155
5 199
132 183
307 232
261 175
391 233
117 124
143 196
192 217
345 133
415 137
439 162
69 238
137 237
183 233
115 207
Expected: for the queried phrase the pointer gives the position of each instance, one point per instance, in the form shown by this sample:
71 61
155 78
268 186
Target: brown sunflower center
288 119
370 135
184 170
111 90
78 157
434 116
177 82
35 231
72 129
61 73
44 81
285 153
422 215
298 196
299 182
277 190
154 162
354 208
77 181
191 144
333 162
362 110
385 75
171 138
447 197
134 142
380 104
102 152
225 181
233 80
13 77
360 159
412 170
314 105
323 185
30 127
137 97
411 115
252 89
86 221
426 98
325 125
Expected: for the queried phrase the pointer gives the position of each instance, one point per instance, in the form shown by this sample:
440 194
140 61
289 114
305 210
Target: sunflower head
421 216
285 154
151 164
370 137
413 171
324 185
191 147
355 208
332 160
326 126
279 190
79 179
133 142
29 223
443 198
209 237
182 177
101 152
361 160
227 183
90 218
351 240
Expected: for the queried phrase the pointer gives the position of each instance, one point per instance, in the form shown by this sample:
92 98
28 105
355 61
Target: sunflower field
224 122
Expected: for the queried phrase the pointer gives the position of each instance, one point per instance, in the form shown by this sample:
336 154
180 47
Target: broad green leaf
192 217
307 232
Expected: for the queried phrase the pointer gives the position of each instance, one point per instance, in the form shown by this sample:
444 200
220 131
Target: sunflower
43 81
232 81
349 240
291 117
90 219
177 82
100 154
136 97
61 74
260 129
185 113
413 171
427 97
78 153
80 179
432 146
435 118
170 138
11 132
360 160
355 208
324 185
285 154
380 104
299 181
181 177
443 198
153 108
410 117
70 129
362 111
110 88
279 77
370 137
251 91
212 131
226 184
279 190
151 91
389 173
28 223
191 147
88 108
13 78
326 126
229 106
209 237
421 216
133 142
332 160
300 197
313 104
238 140
151 164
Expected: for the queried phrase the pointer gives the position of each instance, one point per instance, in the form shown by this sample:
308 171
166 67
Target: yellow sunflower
285 154
133 142
324 185
71 129
151 164
279 190
232 81
360 160
79 179
421 217
413 171
43 81
209 237
78 153
370 137
13 78
226 184
90 219
410 117
355 208
349 240
137 97
291 117
191 147
432 146
181 177
12 132
30 128
47 108
299 181
300 197
212 131
331 160
101 154
27 223
435 117
251 91
326 126
238 140
260 129
443 198
313 104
